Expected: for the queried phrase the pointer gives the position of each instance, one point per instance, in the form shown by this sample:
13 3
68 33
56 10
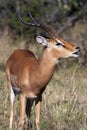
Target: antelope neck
46 65
43 72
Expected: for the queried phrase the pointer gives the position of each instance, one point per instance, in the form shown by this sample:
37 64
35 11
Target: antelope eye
58 44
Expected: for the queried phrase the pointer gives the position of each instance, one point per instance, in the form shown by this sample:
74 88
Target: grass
64 105
68 105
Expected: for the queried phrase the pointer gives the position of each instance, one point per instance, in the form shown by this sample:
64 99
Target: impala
29 76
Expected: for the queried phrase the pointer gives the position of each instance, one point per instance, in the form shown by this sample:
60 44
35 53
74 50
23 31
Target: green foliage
9 16
41 10
74 3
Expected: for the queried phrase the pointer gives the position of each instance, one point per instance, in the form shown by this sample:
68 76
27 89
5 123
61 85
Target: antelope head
59 47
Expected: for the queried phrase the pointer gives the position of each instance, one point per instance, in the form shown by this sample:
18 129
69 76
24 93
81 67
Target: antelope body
29 76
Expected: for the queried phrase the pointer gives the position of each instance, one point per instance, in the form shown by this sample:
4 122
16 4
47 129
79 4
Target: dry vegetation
64 105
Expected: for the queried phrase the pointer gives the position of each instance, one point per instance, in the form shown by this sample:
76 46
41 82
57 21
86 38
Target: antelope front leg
37 108
12 98
22 110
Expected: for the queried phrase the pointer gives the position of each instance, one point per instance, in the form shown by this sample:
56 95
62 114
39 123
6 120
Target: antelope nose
78 48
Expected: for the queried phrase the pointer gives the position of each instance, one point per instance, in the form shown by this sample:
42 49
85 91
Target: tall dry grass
64 105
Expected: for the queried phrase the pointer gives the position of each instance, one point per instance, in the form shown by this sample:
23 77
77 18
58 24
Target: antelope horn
52 32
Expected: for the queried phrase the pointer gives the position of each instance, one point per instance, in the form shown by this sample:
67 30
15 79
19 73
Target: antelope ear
42 41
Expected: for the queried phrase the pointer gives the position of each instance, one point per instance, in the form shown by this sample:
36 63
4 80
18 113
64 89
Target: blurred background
64 105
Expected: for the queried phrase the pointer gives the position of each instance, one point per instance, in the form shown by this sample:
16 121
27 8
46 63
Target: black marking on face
58 44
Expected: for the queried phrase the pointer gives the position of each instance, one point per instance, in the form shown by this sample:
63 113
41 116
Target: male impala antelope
29 76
